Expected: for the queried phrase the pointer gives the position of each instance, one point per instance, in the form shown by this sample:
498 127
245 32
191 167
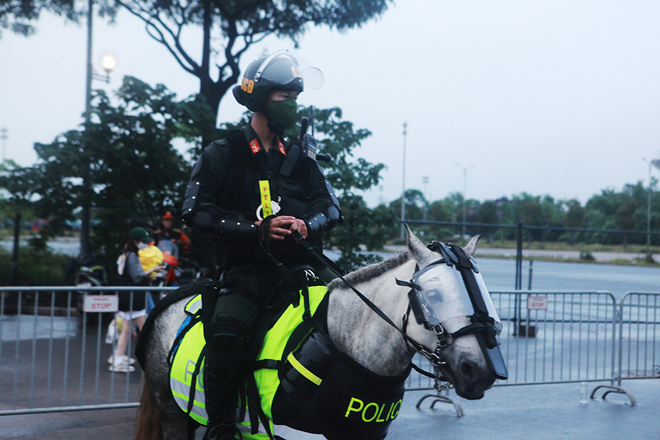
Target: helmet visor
285 69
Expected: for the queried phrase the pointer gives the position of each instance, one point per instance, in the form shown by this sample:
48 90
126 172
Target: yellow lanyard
264 189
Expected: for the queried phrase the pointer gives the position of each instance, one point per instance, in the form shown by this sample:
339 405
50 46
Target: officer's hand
278 227
300 226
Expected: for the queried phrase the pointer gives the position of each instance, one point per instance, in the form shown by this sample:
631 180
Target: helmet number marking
247 85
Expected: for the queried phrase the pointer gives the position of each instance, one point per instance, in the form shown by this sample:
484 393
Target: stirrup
225 429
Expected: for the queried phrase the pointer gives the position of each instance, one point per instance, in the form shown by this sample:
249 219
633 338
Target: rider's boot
221 377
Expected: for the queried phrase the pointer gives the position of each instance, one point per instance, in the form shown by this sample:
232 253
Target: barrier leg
613 389
443 399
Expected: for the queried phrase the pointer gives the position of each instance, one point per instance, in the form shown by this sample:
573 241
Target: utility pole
464 188
652 163
109 63
425 181
84 214
3 136
403 180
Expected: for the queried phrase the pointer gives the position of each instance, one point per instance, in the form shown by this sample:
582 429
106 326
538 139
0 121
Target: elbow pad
334 216
322 222
195 190
190 202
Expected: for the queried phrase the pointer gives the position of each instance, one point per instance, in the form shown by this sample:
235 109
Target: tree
133 168
19 184
346 174
624 217
574 217
16 15
488 214
361 226
230 27
416 204
624 210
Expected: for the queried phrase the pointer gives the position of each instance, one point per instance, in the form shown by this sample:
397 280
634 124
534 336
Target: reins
433 357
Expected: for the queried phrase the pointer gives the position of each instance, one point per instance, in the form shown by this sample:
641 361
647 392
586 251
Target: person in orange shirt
169 240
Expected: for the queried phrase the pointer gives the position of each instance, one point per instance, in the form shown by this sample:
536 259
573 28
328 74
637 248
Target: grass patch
36 267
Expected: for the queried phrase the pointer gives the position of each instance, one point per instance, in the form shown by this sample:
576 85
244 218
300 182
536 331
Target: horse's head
455 317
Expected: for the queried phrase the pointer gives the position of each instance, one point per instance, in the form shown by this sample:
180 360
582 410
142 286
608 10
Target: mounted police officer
250 191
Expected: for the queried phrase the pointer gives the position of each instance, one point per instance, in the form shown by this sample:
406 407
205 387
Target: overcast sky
545 97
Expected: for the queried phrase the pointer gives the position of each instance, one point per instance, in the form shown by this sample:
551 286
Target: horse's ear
471 247
417 249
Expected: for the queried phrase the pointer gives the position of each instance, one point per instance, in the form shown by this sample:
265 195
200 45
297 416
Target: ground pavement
538 412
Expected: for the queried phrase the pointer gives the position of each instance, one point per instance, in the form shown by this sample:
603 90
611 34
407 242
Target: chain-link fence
526 257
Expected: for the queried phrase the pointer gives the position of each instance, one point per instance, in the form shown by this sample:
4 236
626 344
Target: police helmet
277 71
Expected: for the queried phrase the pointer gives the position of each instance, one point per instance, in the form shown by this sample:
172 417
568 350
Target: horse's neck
363 335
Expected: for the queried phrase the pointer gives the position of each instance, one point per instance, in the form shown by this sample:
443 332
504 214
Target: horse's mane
368 273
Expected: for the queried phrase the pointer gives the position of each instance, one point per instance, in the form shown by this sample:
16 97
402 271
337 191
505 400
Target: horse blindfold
439 293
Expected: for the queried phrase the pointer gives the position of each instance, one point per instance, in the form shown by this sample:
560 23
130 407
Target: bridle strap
443 335
469 329
333 267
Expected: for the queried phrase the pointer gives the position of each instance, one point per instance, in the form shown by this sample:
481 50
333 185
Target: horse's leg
174 424
147 424
192 428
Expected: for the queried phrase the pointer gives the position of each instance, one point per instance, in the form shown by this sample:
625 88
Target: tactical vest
302 380
241 196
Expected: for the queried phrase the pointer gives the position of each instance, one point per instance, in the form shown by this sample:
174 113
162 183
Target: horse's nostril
468 370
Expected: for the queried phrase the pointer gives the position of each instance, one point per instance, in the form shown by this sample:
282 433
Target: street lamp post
652 163
109 64
3 136
425 181
464 188
403 180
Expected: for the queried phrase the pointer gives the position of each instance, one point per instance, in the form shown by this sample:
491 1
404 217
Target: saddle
299 378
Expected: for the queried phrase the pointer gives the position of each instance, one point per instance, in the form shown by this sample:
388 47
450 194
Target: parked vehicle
89 274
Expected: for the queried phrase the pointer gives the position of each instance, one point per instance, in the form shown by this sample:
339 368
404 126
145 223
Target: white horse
355 330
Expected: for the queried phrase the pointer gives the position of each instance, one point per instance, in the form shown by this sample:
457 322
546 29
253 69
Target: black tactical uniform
224 200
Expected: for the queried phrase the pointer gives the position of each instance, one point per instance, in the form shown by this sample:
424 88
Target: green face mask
282 113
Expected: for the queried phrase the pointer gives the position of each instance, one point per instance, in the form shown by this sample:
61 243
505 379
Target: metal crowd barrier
639 336
557 337
553 337
54 359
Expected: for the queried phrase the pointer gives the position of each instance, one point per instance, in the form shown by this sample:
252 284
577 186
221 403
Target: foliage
230 27
624 210
38 267
17 15
127 156
360 225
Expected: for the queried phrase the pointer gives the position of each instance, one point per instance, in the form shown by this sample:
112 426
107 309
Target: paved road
538 412
548 253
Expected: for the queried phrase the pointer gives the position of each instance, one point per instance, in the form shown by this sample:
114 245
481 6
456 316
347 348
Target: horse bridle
482 325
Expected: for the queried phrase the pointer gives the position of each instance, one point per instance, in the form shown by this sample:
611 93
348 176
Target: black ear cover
237 95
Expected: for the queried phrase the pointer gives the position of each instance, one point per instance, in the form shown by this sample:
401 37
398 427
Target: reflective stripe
181 391
186 358
264 189
194 305
313 378
275 342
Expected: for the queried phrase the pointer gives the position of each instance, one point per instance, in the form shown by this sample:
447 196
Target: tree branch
152 23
